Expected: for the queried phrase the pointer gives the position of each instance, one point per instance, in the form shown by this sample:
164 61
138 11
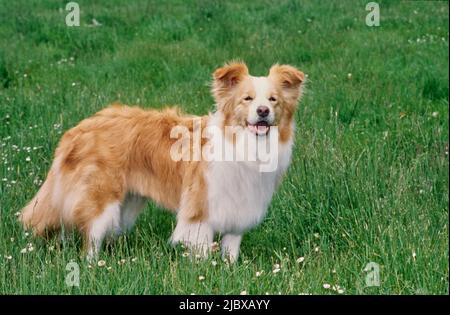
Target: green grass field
369 177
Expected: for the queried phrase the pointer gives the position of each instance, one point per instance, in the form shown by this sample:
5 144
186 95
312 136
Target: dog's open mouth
261 128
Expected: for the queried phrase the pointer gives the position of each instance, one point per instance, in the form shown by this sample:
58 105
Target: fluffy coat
107 166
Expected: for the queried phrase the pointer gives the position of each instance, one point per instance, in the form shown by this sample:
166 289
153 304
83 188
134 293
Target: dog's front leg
197 236
230 246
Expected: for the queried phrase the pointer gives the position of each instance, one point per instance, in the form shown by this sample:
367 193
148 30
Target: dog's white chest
238 196
239 193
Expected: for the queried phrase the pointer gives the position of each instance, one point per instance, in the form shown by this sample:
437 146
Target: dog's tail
39 215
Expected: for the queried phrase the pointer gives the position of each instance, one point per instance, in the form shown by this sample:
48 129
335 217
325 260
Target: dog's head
257 103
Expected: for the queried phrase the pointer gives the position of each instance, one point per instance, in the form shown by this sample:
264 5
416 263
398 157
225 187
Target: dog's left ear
228 77
289 78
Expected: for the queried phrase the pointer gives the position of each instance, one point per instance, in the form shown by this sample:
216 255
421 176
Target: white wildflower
101 263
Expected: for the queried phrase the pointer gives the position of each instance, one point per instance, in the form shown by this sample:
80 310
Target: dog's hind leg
193 229
105 224
97 215
115 218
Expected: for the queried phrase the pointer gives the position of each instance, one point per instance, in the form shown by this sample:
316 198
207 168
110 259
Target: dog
107 167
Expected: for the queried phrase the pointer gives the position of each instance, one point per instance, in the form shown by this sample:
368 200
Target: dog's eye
272 99
248 98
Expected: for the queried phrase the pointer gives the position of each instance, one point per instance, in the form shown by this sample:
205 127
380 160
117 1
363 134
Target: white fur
107 223
114 220
239 193
263 86
197 236
230 246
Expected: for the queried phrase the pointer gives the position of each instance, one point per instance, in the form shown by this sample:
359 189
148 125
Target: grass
369 177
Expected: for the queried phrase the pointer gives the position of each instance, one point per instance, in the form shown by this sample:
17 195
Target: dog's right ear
226 78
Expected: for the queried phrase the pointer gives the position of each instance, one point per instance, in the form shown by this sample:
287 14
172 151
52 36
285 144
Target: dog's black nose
263 111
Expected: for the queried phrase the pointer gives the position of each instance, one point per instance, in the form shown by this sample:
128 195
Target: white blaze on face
263 88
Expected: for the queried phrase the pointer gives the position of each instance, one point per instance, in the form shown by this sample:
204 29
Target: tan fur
122 150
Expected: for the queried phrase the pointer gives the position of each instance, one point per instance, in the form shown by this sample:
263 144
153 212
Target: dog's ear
289 78
227 77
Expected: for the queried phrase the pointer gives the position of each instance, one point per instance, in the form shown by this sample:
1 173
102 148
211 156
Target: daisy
101 263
